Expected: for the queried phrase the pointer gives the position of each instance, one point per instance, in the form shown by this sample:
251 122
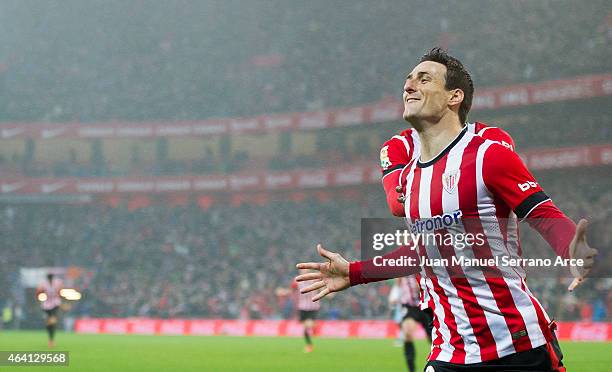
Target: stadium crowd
93 62
184 261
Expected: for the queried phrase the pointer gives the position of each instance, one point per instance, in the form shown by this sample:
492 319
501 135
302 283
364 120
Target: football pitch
193 353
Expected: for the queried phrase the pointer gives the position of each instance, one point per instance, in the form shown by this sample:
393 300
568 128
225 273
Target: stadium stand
182 261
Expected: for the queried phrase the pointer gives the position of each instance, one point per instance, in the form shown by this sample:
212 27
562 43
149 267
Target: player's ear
455 97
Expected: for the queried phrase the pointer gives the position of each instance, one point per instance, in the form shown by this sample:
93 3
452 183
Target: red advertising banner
567 331
386 110
349 175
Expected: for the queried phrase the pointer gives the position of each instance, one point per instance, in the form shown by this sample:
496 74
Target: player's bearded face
425 97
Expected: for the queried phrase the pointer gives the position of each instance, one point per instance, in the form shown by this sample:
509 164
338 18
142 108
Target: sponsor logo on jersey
527 185
428 225
450 180
506 144
384 157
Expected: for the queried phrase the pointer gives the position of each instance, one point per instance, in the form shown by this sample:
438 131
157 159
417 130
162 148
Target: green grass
192 353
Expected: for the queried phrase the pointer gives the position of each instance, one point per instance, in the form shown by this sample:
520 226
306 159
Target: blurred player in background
307 308
396 310
48 293
412 315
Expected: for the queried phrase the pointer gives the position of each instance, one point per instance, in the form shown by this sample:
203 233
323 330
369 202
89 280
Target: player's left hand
580 249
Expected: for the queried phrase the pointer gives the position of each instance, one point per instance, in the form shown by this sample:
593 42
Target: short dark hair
457 77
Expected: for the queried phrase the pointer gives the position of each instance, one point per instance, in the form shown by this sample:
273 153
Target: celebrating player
481 321
395 155
48 293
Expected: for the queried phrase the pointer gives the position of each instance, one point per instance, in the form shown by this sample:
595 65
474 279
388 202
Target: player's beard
413 114
415 121
421 120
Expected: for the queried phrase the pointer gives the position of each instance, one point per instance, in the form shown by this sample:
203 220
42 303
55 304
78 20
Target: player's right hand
401 198
332 276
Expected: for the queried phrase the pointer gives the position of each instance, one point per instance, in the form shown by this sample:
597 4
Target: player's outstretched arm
508 178
580 249
338 274
332 276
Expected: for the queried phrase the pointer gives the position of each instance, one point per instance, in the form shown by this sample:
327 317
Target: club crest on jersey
450 180
384 157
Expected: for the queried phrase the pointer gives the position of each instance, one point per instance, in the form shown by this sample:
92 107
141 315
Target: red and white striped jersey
476 317
304 301
409 291
398 151
52 291
401 149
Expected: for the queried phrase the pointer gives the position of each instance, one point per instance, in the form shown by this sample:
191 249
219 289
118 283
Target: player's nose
409 86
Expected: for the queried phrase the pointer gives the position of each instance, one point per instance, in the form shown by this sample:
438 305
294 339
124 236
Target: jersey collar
443 152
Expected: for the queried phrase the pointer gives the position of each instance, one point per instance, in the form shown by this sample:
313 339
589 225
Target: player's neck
436 137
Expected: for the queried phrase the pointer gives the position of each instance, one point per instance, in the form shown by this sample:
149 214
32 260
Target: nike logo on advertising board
10 187
50 133
8 133
47 188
